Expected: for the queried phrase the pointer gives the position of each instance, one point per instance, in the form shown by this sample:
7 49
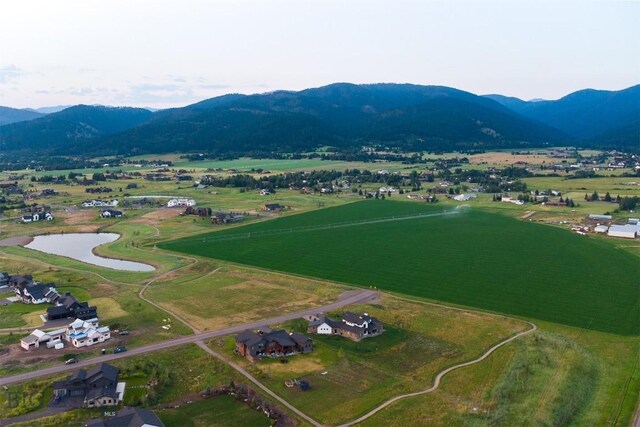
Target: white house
37 337
173 203
37 293
84 333
37 217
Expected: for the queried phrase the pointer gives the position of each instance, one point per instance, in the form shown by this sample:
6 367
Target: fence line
301 229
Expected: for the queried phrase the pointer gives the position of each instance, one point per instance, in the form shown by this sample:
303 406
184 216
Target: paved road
356 297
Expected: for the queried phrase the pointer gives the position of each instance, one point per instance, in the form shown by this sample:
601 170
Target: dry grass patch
296 366
156 217
33 320
108 308
509 159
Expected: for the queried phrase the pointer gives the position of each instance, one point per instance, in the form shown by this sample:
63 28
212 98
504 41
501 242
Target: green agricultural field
472 258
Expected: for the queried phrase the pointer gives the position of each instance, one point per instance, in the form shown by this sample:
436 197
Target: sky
171 53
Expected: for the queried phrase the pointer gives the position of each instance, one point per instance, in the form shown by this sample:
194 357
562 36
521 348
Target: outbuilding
597 217
601 229
624 231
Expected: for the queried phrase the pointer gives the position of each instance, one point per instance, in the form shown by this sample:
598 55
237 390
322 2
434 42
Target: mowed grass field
473 258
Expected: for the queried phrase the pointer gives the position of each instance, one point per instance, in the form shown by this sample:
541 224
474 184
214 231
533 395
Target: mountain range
341 115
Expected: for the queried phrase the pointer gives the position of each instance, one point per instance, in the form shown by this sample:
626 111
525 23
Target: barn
624 231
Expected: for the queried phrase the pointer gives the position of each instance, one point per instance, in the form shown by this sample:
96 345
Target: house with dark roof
274 207
353 326
128 417
111 213
97 386
277 343
20 280
68 306
226 217
36 293
4 279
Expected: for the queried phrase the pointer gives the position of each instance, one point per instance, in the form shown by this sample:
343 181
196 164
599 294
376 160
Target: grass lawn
351 378
559 376
220 411
234 295
12 315
476 258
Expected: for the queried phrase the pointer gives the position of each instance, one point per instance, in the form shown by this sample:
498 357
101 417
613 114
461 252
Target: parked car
120 349
71 361
123 333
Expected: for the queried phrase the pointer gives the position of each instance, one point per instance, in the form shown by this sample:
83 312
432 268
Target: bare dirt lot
156 217
16 241
84 221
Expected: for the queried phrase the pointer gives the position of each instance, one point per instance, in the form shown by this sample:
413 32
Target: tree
607 197
595 197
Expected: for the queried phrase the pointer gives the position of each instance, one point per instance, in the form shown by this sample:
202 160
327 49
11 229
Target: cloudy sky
168 53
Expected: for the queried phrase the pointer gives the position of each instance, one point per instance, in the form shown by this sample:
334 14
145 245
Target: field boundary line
264 388
301 229
441 374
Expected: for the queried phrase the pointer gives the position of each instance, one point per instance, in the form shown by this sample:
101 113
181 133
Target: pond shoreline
81 247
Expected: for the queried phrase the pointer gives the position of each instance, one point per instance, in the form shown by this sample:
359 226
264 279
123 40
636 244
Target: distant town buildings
99 203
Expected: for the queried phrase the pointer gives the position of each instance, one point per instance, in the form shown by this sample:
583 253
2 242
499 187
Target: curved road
436 383
357 297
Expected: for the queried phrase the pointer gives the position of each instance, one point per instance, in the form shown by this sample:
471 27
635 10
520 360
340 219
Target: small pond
79 246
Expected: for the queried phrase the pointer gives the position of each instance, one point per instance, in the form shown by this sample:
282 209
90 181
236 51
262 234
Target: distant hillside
586 115
51 109
13 115
342 115
74 124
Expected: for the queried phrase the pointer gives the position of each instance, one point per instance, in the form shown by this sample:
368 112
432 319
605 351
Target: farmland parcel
467 257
